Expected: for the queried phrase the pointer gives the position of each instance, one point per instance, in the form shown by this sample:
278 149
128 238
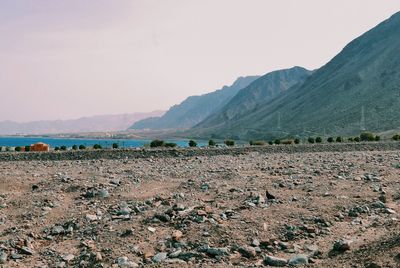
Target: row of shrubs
191 143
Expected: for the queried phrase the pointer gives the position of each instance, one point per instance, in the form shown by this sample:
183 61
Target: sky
71 58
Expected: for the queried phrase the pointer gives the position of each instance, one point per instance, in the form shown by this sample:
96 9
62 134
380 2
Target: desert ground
325 209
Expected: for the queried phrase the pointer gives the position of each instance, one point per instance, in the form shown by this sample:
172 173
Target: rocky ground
322 209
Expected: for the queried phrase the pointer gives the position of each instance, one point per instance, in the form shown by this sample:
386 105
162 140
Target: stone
177 235
342 245
247 252
56 230
103 193
68 257
274 261
300 259
160 257
3 257
91 217
27 251
151 229
124 262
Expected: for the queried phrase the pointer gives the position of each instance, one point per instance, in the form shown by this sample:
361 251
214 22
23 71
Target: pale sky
62 59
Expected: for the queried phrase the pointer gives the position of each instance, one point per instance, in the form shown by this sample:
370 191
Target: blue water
105 143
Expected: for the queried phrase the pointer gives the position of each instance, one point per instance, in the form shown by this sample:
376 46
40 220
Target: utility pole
362 122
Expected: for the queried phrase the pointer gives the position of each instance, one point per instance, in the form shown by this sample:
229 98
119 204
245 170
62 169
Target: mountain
261 90
100 123
357 90
195 108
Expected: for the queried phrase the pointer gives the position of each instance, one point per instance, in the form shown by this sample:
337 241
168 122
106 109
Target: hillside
357 90
98 123
195 108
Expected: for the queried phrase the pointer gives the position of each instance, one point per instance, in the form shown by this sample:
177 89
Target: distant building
40 147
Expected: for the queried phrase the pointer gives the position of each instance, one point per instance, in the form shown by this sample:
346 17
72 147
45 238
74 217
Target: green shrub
229 142
18 149
271 143
330 140
350 139
339 139
318 140
296 141
277 141
8 149
27 148
63 148
311 140
170 144
287 142
156 143
97 146
367 136
396 137
257 143
377 138
56 148
82 147
74 147
357 139
192 143
211 143
115 145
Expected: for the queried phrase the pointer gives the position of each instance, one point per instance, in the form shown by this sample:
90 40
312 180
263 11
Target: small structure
40 147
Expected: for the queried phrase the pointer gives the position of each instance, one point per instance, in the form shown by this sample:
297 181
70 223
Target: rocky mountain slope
195 108
357 90
98 123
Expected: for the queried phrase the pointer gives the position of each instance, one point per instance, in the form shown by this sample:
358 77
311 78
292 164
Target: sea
69 142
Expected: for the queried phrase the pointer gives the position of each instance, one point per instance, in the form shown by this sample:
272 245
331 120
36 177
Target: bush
8 149
357 139
156 143
192 143
277 141
82 147
367 136
56 148
97 146
115 146
63 148
339 139
330 140
18 149
257 143
350 139
296 141
271 143
287 142
211 143
170 145
229 142
396 137
377 138
74 147
318 140
311 140
27 148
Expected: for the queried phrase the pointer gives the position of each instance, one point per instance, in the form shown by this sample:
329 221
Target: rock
247 252
389 211
342 245
124 262
103 193
27 251
269 196
378 204
177 235
256 242
56 230
160 257
151 229
214 251
3 257
68 257
91 217
274 261
298 260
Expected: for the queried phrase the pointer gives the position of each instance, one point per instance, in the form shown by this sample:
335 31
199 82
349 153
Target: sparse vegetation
257 143
170 144
229 142
56 148
27 148
211 143
156 143
351 139
18 149
339 139
330 139
318 140
63 148
357 139
367 136
287 142
311 140
192 143
277 141
396 137
82 147
271 143
296 141
97 146
377 138
74 147
115 145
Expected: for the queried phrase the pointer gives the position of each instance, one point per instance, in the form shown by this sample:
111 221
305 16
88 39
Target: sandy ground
203 211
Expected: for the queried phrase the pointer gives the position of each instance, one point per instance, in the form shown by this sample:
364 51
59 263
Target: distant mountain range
101 123
357 90
195 108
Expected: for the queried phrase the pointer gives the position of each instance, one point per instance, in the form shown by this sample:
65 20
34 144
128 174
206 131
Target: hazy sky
63 59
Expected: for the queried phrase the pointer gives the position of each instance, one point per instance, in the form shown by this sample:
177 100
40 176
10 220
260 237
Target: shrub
27 148
63 148
74 147
211 143
330 139
82 147
377 138
257 143
357 139
277 141
229 142
170 144
367 136
97 146
271 143
18 149
296 141
396 137
311 140
192 143
8 149
350 139
287 142
56 148
318 140
156 143
115 145
339 139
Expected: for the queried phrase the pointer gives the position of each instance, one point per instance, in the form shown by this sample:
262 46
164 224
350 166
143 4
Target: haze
73 58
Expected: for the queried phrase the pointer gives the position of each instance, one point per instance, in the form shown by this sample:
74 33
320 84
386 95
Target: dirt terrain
325 209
